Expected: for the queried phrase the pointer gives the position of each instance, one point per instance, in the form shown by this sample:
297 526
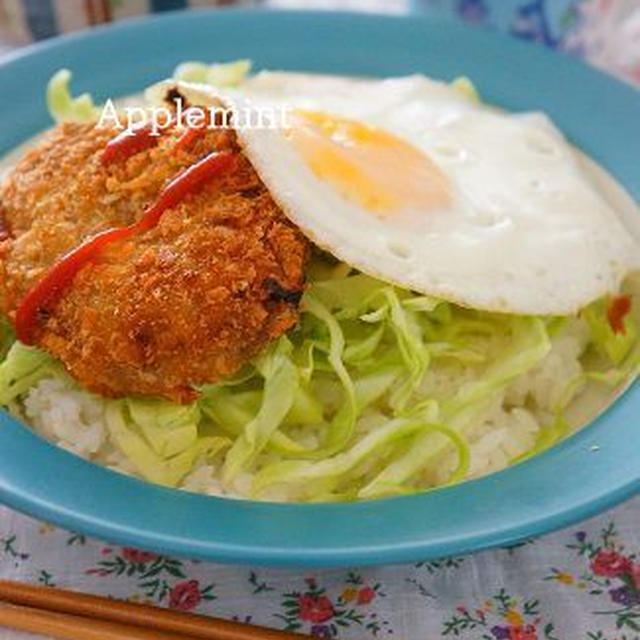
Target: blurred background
605 32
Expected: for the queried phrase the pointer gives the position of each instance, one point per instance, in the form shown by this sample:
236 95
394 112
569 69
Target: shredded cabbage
7 337
527 343
339 408
63 107
22 368
620 354
159 438
466 88
614 346
280 383
227 74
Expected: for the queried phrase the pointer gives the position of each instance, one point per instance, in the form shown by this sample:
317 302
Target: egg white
528 230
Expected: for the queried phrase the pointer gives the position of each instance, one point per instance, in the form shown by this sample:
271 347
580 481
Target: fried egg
417 183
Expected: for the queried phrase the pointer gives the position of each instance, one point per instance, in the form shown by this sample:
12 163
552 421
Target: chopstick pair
78 616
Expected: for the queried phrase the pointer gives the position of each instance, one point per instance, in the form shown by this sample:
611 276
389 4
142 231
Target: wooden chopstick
69 627
79 616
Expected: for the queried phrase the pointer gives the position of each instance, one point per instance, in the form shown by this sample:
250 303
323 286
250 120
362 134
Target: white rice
72 419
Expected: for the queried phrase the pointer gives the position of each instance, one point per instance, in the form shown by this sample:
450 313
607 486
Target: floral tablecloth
582 583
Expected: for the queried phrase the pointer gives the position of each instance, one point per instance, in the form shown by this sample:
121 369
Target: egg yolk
373 168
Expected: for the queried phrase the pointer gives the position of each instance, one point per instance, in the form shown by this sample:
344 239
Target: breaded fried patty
187 302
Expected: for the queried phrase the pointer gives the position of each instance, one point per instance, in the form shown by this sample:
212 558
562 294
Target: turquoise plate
590 471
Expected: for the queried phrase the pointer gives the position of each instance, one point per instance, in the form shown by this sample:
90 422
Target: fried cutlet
187 302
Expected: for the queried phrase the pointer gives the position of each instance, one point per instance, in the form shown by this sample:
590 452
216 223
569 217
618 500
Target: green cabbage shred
63 107
227 74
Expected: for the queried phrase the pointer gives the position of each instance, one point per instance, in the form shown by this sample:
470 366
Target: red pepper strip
128 143
617 311
38 302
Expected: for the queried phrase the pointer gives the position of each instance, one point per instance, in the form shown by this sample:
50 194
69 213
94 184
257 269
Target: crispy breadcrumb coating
188 302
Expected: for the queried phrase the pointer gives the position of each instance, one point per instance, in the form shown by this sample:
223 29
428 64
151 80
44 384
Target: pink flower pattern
609 573
322 613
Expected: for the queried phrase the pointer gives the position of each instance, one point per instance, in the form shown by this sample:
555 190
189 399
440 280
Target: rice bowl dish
368 385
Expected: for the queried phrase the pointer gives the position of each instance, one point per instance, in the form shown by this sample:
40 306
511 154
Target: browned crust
185 303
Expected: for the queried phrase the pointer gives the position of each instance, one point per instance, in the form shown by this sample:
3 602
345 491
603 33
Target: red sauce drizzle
38 302
189 137
128 143
617 311
193 132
